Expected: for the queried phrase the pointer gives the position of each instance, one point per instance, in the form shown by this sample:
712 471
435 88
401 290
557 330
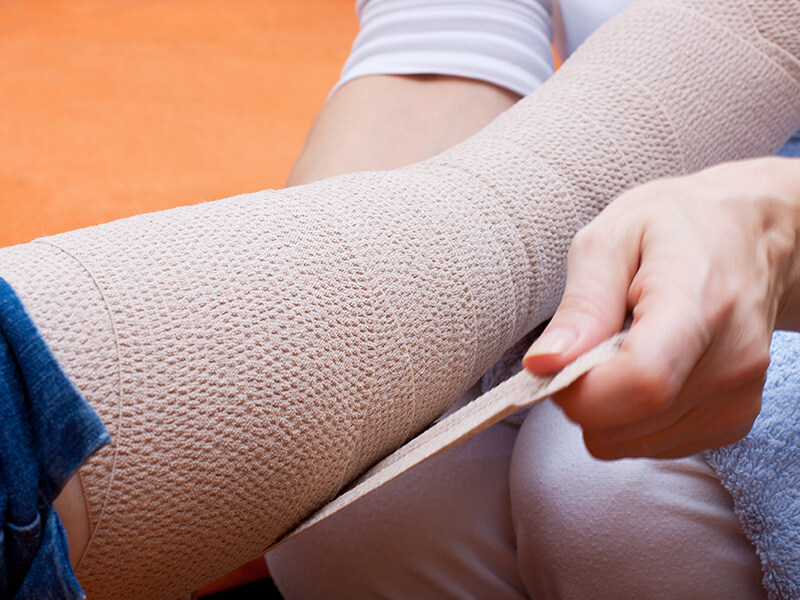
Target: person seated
251 357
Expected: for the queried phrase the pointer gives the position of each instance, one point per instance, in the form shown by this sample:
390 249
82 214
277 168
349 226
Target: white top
505 42
582 17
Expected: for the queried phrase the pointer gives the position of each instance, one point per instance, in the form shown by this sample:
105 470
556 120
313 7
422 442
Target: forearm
387 121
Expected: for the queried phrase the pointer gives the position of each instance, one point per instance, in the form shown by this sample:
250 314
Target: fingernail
552 342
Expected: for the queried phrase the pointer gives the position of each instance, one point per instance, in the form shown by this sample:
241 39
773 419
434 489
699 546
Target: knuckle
751 366
759 365
589 241
582 304
599 449
654 388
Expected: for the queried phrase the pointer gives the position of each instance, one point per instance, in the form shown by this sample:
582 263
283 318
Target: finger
600 267
698 417
644 378
664 446
696 447
712 422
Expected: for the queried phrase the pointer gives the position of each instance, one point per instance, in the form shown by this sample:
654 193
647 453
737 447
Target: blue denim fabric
47 430
792 147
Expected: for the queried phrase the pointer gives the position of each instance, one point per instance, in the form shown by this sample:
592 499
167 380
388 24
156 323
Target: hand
705 264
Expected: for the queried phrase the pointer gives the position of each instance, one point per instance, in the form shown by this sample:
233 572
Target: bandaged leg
253 355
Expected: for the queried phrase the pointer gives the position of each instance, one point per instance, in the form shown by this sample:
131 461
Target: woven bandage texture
252 356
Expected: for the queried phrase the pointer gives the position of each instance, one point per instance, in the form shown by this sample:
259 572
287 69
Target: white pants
528 513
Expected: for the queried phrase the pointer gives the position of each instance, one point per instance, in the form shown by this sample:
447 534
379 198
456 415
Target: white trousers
528 513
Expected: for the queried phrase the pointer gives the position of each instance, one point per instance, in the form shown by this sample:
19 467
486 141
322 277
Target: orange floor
110 108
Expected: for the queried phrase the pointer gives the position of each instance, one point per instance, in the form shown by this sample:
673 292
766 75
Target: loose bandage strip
252 356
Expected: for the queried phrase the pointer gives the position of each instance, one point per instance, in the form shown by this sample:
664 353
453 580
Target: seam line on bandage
664 114
739 39
117 417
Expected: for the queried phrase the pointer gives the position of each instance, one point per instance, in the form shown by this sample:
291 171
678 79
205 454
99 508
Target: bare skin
389 121
668 411
71 508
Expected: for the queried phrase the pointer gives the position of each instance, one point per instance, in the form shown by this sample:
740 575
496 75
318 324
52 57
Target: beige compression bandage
252 356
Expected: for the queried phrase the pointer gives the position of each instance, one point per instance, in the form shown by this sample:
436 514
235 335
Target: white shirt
505 42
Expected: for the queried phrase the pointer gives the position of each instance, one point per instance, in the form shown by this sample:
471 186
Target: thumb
600 268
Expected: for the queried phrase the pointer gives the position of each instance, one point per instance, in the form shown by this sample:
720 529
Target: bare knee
71 508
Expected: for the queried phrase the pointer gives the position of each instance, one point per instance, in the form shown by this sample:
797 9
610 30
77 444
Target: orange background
110 108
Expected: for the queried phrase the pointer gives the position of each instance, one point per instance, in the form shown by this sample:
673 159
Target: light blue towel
762 472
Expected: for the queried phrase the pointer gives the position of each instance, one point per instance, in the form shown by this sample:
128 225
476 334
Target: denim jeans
792 147
47 430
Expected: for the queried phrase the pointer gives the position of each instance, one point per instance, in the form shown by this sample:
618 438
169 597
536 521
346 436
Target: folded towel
762 472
